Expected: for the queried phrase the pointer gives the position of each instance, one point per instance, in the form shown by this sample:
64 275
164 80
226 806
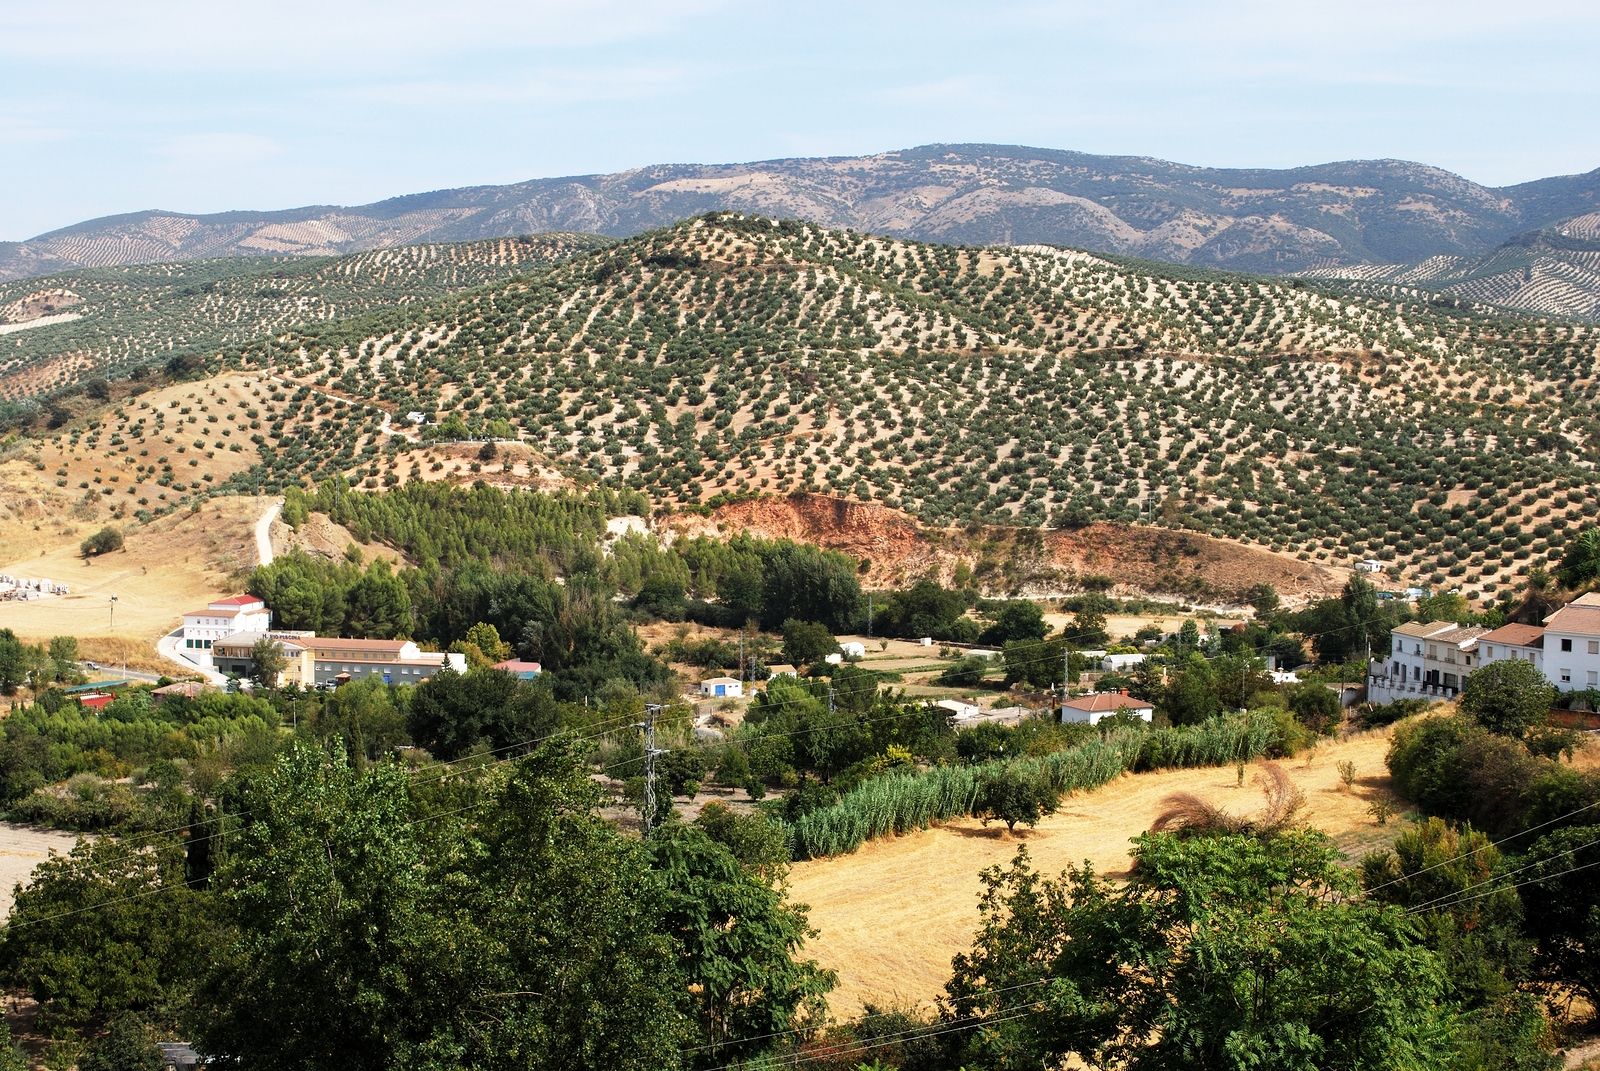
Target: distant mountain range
1363 219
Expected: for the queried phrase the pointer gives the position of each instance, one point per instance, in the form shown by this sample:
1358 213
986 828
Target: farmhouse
237 613
1119 663
722 688
1096 706
782 669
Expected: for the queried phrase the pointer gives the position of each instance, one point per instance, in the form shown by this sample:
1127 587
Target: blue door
722 689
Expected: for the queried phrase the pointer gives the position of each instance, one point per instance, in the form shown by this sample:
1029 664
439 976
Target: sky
109 107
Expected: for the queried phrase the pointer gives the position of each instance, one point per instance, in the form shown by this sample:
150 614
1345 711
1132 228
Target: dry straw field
892 914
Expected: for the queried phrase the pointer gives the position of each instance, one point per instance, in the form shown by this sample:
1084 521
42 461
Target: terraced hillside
63 329
736 356
1554 271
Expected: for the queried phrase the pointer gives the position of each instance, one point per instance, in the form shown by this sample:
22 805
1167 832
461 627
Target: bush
1508 697
104 541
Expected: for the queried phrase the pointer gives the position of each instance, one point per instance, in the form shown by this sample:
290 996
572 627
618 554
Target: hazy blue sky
115 106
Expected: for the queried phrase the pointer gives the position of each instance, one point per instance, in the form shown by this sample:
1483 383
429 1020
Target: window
1594 646
1566 644
1594 678
1399 645
1488 650
1433 652
1566 676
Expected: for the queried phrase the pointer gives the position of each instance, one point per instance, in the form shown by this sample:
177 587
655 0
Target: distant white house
853 649
782 669
722 688
416 417
1371 565
984 653
1097 706
1119 663
1283 676
833 659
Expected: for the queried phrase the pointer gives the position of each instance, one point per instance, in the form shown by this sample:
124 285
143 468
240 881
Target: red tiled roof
1515 635
517 665
1106 701
208 612
236 600
1580 617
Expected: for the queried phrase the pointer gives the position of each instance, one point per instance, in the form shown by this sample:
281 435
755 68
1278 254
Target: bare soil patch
21 849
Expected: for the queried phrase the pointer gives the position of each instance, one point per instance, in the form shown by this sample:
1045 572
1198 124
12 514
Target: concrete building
1521 643
1426 660
1572 644
957 710
722 688
237 613
1121 663
331 660
336 660
1096 706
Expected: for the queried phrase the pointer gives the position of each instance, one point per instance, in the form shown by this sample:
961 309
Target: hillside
895 551
1351 212
1554 270
64 329
731 358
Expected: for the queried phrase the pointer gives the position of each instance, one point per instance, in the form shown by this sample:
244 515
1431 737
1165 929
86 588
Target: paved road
264 532
130 674
170 647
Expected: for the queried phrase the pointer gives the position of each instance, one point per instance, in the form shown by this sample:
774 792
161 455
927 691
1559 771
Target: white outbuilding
722 688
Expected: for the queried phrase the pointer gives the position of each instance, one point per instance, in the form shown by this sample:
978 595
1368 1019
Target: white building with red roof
1095 706
219 618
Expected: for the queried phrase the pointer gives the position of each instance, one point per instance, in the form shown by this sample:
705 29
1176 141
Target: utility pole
112 625
650 753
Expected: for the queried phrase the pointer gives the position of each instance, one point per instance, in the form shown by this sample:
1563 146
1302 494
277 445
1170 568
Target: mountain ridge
1315 216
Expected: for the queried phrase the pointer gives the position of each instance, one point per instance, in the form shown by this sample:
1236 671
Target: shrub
104 541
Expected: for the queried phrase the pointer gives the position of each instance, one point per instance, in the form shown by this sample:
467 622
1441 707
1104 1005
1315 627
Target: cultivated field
892 915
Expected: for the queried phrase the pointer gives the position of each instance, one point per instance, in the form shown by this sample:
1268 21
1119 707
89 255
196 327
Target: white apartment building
1572 644
1426 660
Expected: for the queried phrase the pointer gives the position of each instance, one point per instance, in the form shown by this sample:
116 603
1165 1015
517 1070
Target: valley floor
892 915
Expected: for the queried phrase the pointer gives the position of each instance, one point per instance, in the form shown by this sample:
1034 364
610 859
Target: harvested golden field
173 564
21 849
892 915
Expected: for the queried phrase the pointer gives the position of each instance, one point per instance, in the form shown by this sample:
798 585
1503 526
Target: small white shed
853 649
722 688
